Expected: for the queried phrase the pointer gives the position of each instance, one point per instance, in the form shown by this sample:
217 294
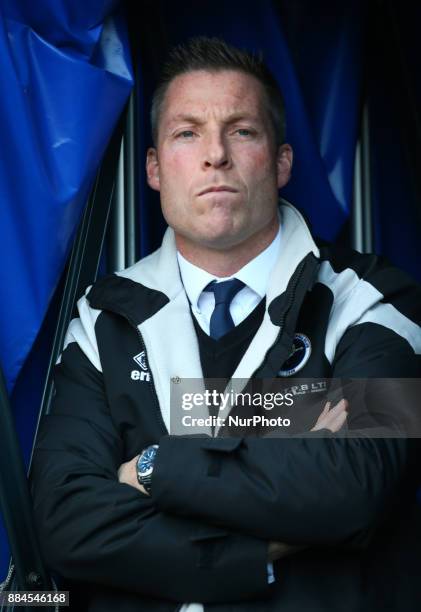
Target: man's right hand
332 418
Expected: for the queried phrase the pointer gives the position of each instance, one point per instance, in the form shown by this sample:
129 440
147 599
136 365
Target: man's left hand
127 474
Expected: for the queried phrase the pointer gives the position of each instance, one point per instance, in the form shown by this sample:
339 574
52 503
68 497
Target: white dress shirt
255 276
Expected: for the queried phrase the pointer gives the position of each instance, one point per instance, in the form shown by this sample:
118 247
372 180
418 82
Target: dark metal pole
116 235
130 183
362 211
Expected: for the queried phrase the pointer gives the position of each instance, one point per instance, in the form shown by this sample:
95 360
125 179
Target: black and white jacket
217 501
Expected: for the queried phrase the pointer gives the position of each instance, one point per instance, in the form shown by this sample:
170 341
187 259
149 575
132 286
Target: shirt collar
255 274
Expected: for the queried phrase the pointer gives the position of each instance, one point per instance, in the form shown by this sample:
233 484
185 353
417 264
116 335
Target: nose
216 152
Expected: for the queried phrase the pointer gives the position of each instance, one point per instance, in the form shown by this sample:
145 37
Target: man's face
216 164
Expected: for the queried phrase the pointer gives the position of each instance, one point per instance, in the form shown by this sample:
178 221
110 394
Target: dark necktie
221 321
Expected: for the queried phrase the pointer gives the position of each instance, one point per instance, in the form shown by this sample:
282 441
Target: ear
284 164
152 168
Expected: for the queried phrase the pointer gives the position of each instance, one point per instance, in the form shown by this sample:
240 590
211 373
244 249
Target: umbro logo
140 359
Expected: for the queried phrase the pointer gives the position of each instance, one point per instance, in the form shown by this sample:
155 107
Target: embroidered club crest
301 351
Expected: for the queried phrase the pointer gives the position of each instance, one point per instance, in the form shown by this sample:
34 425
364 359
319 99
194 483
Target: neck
226 262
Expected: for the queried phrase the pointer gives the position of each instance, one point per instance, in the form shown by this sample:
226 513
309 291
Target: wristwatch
144 466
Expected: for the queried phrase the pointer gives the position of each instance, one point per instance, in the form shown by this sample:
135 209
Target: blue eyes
187 134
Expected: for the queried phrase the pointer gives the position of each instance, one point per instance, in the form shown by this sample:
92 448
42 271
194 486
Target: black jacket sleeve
93 528
308 490
298 490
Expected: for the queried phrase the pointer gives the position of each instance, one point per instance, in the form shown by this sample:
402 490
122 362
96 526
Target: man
148 521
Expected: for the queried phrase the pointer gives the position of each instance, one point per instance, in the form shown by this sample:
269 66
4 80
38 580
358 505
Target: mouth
218 189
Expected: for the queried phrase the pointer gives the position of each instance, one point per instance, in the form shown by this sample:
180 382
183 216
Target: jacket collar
297 243
160 272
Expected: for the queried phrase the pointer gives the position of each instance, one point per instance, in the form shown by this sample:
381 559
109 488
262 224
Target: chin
222 241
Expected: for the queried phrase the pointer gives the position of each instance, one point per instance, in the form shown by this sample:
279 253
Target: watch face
144 467
145 464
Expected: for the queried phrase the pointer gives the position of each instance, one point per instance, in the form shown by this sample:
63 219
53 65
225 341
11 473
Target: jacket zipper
291 295
290 299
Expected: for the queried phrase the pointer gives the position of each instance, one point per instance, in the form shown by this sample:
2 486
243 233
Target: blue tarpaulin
65 77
